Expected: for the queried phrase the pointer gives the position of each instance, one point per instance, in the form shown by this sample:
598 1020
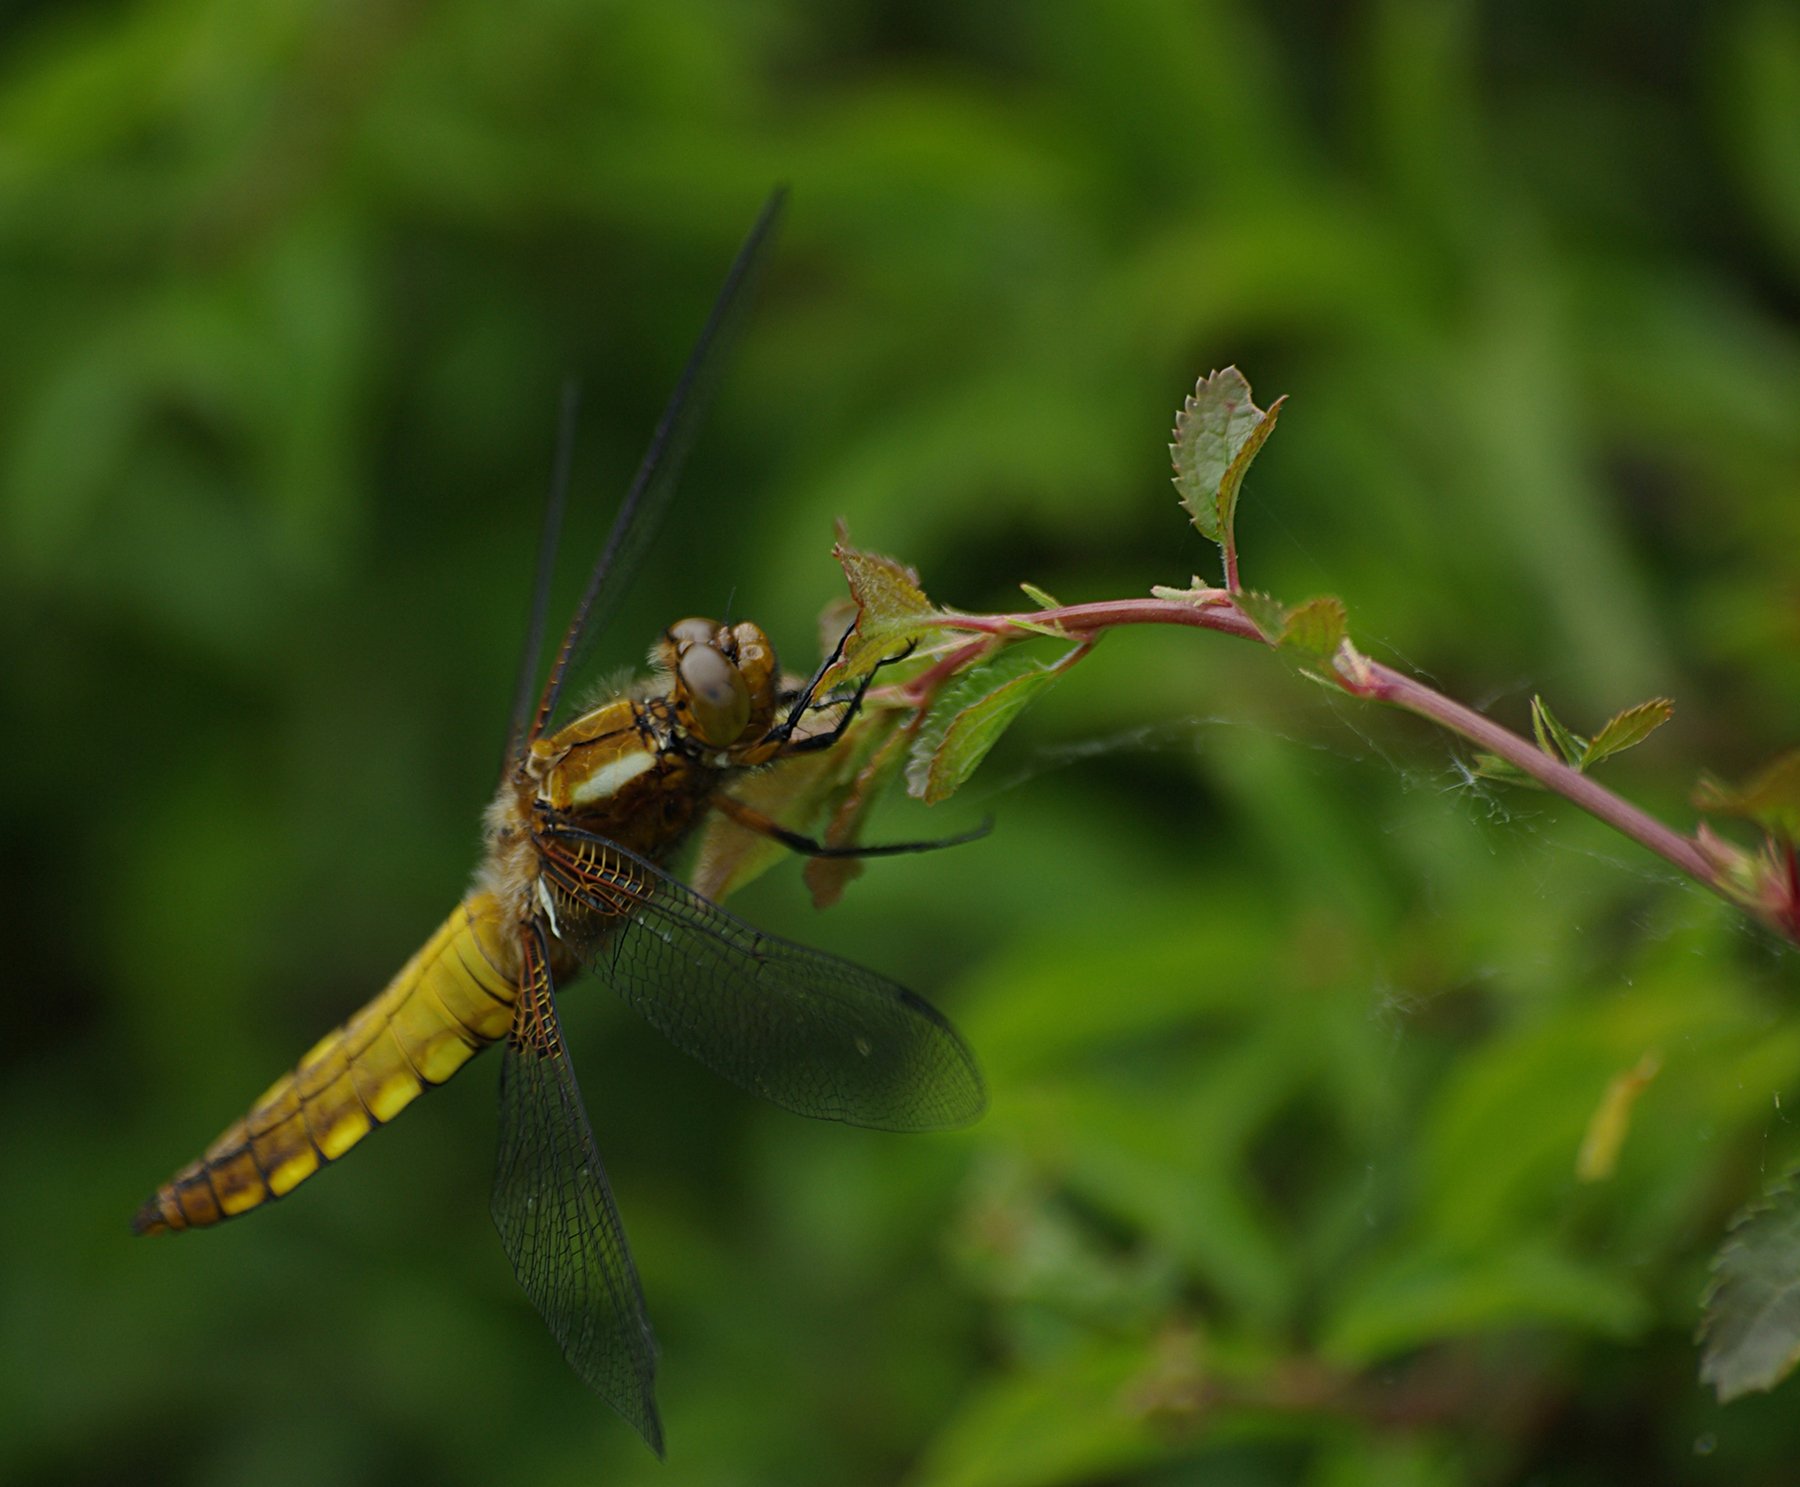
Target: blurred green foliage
1293 1028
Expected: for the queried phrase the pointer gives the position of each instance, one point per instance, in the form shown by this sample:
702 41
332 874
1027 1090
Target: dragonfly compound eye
756 661
710 694
679 637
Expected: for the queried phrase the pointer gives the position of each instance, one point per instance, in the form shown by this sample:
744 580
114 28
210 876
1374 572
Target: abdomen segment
448 1003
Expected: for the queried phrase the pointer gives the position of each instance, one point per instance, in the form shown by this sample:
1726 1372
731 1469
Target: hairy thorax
639 769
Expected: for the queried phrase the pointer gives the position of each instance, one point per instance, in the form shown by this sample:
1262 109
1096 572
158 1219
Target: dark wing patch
814 1034
556 1214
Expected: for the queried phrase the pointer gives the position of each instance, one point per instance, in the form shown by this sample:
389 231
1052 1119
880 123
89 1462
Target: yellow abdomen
449 1002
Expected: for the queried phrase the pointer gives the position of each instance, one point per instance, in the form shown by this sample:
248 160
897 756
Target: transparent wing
548 538
812 1033
556 1214
647 499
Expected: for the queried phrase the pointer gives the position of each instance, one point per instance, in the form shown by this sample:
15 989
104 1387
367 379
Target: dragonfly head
722 679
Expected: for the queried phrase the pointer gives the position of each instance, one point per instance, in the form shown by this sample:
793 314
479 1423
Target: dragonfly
574 878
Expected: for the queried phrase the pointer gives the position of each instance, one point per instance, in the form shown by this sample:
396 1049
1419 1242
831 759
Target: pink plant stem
1083 619
1387 685
923 687
1364 678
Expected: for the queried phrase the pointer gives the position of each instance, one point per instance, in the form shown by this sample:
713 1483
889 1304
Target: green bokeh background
1291 1031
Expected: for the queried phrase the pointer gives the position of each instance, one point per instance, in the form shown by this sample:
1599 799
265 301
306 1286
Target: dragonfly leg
782 733
804 699
763 824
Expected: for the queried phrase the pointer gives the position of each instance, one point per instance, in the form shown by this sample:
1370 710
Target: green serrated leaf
882 585
1265 611
1554 739
1039 597
1317 626
1771 799
1627 729
892 610
1218 432
968 720
1751 1326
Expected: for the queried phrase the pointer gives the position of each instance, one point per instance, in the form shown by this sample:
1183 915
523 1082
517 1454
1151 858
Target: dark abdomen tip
149 1218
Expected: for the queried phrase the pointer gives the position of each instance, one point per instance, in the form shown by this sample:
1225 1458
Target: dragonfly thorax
640 768
636 766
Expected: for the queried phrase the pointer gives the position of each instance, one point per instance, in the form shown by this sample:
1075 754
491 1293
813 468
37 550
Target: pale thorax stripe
609 779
